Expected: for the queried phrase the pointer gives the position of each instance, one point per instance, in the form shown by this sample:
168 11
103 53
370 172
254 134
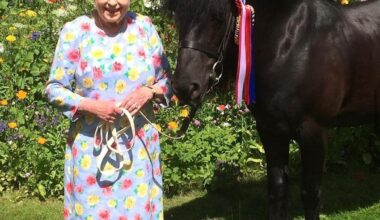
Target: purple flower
3 127
197 123
35 35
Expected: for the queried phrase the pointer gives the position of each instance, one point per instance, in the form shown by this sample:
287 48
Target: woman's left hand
137 99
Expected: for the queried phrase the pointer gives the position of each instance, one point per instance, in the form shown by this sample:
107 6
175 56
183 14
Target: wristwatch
154 91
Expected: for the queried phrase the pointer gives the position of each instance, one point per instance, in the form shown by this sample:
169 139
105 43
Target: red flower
157 171
153 208
85 27
70 187
126 184
66 213
147 207
142 32
79 189
155 138
74 152
96 96
104 214
83 65
107 191
141 53
122 218
97 73
91 180
74 55
141 133
221 108
137 217
156 61
116 67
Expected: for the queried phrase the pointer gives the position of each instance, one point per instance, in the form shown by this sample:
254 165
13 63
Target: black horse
317 66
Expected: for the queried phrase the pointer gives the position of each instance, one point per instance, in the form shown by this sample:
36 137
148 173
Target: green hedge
221 147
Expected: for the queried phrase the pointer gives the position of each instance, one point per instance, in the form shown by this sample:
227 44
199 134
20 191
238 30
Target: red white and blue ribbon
245 77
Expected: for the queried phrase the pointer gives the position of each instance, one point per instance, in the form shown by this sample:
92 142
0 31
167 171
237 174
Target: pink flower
147 207
74 152
142 32
85 27
156 61
155 138
141 133
66 213
74 55
126 184
83 65
122 218
141 53
91 180
107 191
116 67
79 189
104 214
137 217
70 187
97 73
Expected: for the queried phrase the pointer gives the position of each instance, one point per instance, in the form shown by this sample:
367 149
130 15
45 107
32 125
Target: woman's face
112 11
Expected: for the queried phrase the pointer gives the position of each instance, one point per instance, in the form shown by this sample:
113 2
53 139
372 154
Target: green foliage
220 148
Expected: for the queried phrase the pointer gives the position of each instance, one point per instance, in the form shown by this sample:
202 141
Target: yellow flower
4 102
133 74
116 49
69 36
31 13
103 86
22 14
112 203
21 95
150 80
59 101
59 73
140 173
84 144
129 203
93 200
120 86
344 2
158 127
12 29
153 192
153 40
129 58
184 113
67 156
173 125
11 38
41 140
76 172
131 38
12 125
109 168
97 53
142 189
142 153
78 209
87 83
85 162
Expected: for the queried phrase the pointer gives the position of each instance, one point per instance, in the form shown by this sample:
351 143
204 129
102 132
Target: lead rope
106 140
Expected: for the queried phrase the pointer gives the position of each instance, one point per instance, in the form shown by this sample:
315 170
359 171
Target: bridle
217 53
217 69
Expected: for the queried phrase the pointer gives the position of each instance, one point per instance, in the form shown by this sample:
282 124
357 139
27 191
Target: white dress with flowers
108 68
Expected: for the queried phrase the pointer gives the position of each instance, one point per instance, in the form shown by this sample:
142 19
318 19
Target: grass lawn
347 194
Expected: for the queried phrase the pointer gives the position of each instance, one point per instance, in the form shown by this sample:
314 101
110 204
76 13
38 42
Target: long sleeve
62 74
161 65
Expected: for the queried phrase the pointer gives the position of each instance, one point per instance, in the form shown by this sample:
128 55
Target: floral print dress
108 68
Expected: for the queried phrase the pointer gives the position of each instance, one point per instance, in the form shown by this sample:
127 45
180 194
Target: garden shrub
220 147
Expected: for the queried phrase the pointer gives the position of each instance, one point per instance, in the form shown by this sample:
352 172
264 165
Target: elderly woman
115 60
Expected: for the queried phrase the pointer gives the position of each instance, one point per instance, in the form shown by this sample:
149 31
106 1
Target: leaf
367 158
41 190
253 160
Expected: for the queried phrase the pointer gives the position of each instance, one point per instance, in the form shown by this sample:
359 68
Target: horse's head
205 29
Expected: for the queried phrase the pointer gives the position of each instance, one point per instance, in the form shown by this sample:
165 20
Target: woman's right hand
105 110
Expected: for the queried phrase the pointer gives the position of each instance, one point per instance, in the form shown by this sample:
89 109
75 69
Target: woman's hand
105 110
137 99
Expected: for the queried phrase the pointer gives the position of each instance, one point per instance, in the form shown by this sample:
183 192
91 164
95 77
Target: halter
217 53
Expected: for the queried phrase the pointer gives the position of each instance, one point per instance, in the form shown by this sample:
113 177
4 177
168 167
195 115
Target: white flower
60 12
1 48
19 25
151 4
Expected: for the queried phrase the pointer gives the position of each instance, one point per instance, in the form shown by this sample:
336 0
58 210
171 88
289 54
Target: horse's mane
186 11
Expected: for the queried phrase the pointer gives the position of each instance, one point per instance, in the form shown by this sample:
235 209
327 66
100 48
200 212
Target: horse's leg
312 139
277 154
